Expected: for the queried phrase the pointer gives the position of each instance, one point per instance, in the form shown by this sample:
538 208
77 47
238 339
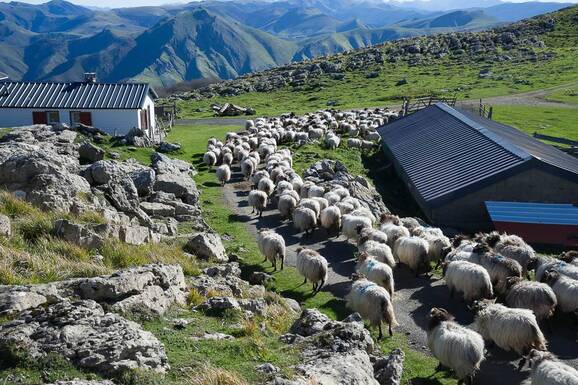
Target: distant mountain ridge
59 40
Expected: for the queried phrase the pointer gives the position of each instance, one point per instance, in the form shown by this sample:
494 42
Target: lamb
258 201
272 246
373 303
536 296
223 174
210 158
372 234
267 186
509 329
331 219
472 280
380 251
304 219
247 168
376 271
311 265
547 370
286 205
566 290
351 223
413 252
455 346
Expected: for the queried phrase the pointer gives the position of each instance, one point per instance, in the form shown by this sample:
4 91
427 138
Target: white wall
117 122
150 104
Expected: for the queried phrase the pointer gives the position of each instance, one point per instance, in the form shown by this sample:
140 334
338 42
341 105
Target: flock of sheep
481 269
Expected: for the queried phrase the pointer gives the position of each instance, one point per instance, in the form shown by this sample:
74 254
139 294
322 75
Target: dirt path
413 299
533 98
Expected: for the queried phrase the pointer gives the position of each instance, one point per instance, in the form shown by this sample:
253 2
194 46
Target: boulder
91 153
83 235
181 185
5 226
311 322
388 370
143 179
219 304
83 333
157 209
166 147
207 246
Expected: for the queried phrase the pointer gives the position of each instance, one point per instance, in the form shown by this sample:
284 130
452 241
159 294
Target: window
52 117
78 117
74 118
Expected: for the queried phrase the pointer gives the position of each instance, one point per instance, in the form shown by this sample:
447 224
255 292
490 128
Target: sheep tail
541 343
387 310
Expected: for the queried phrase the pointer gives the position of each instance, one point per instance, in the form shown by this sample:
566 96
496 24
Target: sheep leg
260 214
314 288
320 285
390 330
304 281
380 337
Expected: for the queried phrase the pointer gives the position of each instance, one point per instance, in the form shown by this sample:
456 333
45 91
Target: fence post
491 112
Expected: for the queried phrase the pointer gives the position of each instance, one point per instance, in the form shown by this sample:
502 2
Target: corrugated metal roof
442 151
536 213
3 76
74 95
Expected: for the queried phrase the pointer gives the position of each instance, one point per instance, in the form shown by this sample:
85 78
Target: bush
209 375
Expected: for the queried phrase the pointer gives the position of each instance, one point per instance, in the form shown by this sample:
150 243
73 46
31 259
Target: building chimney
90 77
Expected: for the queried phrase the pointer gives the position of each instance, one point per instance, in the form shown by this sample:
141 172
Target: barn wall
112 121
533 185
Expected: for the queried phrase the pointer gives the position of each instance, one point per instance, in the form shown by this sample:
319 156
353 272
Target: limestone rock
311 322
168 147
207 246
388 370
5 226
89 152
90 338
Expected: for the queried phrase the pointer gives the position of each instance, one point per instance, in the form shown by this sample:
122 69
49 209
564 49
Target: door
86 118
144 120
39 117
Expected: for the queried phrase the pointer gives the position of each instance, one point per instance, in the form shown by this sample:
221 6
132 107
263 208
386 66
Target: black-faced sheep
373 303
551 264
455 347
272 246
570 257
313 267
469 279
536 296
258 201
548 370
223 174
510 329
376 271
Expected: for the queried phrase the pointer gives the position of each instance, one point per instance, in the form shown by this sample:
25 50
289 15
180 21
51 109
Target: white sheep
469 279
286 205
332 198
547 370
354 143
373 303
510 329
372 234
311 204
331 219
315 192
272 246
499 267
257 176
394 232
342 192
380 251
304 219
551 264
376 271
344 208
332 142
228 158
351 223
413 252
223 174
267 186
311 265
210 158
536 296
455 347
258 201
247 168
566 290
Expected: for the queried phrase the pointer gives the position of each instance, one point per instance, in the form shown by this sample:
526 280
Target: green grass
560 122
566 95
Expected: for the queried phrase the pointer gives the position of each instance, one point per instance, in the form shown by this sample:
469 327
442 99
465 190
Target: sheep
258 201
267 186
510 329
570 257
294 194
257 176
344 208
223 174
380 251
286 205
394 232
354 143
272 246
247 168
313 267
512 246
331 219
332 198
547 370
228 158
315 192
210 159
376 271
373 303
350 225
566 290
413 252
342 192
332 142
454 346
311 204
372 234
304 189
469 279
500 268
536 296
550 264
304 219
437 246
283 186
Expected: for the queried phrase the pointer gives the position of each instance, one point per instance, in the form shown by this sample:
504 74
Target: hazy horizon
136 3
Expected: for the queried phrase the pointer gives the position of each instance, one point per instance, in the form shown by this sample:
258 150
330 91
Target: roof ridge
77 82
496 138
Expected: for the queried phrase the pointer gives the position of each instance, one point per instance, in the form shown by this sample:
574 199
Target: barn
453 162
115 108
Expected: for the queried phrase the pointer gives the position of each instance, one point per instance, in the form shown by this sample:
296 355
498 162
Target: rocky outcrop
207 246
85 334
329 173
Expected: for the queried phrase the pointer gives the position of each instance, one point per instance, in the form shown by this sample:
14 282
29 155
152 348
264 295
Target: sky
133 3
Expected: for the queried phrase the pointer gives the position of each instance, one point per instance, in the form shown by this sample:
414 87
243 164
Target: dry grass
209 375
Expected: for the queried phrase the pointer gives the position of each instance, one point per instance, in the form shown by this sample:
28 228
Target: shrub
195 298
209 375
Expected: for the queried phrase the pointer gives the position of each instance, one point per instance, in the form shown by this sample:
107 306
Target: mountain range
163 45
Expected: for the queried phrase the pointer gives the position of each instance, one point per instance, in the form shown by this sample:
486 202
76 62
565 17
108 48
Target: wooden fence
410 106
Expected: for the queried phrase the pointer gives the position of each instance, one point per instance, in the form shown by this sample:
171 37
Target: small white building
115 108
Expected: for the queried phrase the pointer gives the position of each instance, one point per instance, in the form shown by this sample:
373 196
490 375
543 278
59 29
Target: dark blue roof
74 95
536 213
441 152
